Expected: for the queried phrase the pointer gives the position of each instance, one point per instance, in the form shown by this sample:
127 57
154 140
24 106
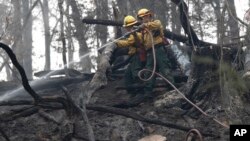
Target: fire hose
153 72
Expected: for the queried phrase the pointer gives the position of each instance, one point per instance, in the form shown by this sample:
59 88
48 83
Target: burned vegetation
95 107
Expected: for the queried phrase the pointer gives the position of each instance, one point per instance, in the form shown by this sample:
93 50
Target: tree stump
214 85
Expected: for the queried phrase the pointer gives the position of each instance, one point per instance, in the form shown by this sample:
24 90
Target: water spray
86 54
15 92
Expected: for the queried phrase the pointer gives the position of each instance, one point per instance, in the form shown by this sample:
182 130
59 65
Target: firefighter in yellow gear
134 42
154 26
153 29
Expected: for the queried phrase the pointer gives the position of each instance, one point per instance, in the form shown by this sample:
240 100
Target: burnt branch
99 79
48 117
25 81
72 107
125 113
183 9
24 112
45 102
16 102
102 22
82 113
168 34
52 103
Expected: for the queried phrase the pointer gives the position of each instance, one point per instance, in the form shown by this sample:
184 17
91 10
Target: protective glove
142 26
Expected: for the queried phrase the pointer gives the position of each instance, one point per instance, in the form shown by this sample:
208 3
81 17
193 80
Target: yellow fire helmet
129 21
143 12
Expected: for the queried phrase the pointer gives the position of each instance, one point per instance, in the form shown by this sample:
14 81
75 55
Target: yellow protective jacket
156 29
130 42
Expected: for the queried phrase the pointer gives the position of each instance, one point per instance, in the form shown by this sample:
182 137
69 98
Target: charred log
209 76
102 22
40 102
204 66
170 35
99 79
48 73
24 112
45 84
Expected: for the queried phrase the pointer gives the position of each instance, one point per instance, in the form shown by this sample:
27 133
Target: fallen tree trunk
99 79
48 73
42 84
168 34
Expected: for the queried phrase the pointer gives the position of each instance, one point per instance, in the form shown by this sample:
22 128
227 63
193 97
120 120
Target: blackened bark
168 34
25 81
102 22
